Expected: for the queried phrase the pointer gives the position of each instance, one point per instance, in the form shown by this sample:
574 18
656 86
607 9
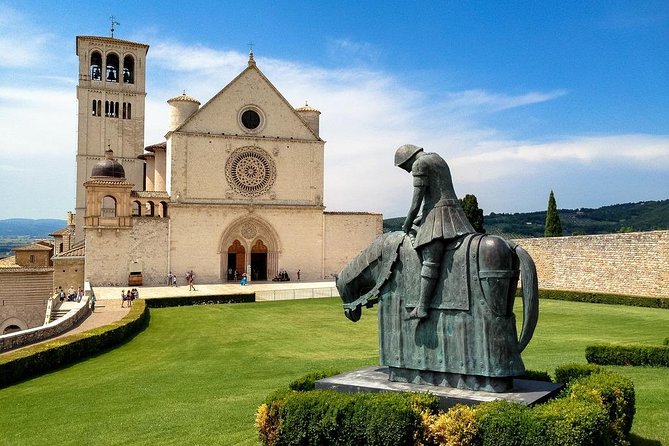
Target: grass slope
197 374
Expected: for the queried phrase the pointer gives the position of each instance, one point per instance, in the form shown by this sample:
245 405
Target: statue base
452 380
375 379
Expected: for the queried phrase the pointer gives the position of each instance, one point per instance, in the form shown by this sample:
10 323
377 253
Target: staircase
57 314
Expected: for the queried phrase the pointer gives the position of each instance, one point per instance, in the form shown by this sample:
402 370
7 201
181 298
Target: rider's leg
429 274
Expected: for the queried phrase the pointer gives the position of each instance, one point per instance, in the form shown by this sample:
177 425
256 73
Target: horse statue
469 340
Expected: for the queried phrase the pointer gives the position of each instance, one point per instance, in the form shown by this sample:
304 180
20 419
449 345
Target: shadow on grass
635 440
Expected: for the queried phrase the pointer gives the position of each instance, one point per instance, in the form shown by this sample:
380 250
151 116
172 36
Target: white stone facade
237 186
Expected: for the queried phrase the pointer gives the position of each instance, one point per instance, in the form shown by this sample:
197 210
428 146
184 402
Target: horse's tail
528 275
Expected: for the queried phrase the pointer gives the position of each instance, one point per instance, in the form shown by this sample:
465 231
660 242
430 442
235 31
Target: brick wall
633 263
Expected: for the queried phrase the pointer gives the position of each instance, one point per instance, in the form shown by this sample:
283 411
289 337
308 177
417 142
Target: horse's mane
384 250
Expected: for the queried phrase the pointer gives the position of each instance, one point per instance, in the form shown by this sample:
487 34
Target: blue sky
519 97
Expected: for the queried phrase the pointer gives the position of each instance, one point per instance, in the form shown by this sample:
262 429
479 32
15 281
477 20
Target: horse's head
352 309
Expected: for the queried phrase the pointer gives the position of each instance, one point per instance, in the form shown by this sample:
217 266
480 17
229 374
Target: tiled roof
33 247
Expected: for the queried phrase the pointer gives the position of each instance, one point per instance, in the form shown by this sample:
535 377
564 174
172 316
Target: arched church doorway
259 261
236 260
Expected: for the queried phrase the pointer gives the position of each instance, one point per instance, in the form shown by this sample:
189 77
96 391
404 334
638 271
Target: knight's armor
443 217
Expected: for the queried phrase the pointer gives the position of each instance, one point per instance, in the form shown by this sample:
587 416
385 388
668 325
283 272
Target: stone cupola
311 116
181 108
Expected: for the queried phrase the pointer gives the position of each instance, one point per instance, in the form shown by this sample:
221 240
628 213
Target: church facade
237 185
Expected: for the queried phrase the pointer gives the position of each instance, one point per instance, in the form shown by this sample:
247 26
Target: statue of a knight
442 218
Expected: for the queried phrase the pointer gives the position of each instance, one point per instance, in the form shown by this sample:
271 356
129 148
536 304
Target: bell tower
111 94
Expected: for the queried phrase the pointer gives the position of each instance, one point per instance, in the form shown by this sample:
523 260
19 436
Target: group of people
71 296
282 276
171 279
129 296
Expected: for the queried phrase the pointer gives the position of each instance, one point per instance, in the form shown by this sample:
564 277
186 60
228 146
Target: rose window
250 171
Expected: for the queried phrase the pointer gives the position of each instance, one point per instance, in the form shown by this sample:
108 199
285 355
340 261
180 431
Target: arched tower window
96 66
136 209
108 206
111 74
163 208
128 70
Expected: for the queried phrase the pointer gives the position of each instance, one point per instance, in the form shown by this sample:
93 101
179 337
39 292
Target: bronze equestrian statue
445 293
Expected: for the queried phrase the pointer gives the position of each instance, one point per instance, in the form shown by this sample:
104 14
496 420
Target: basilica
236 186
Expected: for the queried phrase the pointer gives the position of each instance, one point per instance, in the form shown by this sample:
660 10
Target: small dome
108 167
183 98
307 108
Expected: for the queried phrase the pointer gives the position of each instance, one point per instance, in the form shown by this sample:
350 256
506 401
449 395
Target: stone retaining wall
632 263
59 326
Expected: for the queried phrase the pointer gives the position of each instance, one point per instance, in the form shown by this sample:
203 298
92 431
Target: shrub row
634 355
164 302
41 358
603 298
597 408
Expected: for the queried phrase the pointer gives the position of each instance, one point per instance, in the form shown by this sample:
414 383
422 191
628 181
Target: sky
519 97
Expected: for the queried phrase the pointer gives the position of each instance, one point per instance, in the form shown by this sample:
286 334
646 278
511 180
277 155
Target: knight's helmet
405 152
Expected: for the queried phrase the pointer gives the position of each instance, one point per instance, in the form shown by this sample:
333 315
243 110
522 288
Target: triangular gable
220 114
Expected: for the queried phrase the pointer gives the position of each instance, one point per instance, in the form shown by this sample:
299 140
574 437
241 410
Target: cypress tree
553 224
475 215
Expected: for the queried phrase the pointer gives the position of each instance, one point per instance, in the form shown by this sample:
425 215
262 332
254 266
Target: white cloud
21 44
367 114
37 121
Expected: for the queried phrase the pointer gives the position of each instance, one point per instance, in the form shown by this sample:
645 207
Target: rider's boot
428 280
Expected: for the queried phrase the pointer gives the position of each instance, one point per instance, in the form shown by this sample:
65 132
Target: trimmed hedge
41 358
634 355
570 372
597 408
328 417
308 381
615 393
537 375
605 298
176 301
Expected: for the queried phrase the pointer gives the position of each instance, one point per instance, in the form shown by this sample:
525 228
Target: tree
475 215
553 224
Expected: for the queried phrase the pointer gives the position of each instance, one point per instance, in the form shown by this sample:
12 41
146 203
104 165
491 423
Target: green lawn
197 374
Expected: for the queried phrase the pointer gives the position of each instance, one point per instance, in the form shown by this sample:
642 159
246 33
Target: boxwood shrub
41 358
604 298
634 355
597 408
180 301
569 372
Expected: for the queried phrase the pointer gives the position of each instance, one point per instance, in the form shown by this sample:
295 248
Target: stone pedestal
375 379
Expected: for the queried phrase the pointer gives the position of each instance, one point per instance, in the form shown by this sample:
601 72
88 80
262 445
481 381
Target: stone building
26 283
237 186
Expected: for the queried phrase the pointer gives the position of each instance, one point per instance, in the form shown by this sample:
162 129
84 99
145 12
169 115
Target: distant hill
30 228
642 216
21 231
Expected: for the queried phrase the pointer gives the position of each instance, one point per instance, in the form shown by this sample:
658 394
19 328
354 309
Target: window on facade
96 66
94 110
136 209
108 207
163 207
111 109
99 107
128 70
112 68
127 113
32 258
